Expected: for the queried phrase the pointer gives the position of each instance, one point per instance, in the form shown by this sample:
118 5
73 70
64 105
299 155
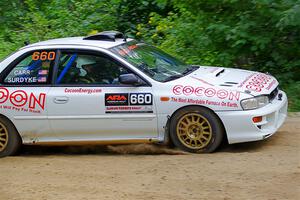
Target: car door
87 102
25 84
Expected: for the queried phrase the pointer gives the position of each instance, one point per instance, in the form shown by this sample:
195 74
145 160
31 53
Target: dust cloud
134 149
144 149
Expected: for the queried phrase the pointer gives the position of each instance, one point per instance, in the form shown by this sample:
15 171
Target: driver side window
85 68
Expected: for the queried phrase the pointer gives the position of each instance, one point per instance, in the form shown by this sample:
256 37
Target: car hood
254 83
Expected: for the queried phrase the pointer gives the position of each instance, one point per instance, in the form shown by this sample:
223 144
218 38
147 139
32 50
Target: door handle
61 100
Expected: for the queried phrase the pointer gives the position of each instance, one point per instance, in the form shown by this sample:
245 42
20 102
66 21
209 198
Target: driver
86 65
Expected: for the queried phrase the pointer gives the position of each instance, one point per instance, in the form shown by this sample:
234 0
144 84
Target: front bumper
240 127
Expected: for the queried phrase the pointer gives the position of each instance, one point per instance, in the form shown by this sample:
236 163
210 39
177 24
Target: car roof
80 41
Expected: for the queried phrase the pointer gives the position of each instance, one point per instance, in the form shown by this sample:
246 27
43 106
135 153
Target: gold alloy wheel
3 137
194 131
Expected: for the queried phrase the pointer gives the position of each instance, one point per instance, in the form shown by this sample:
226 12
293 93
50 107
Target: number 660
43 55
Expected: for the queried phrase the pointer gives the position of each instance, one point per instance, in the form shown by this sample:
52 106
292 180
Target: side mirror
129 79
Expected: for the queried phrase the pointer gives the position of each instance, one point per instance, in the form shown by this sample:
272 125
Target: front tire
10 140
196 130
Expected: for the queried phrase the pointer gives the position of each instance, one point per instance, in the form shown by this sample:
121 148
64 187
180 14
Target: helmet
83 60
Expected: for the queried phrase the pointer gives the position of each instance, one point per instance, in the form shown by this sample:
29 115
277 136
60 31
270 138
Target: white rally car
108 89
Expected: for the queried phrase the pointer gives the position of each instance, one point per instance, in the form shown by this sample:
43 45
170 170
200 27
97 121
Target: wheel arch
167 129
1 115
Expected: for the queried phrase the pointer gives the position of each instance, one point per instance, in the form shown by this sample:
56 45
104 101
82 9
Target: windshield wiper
145 68
190 69
173 77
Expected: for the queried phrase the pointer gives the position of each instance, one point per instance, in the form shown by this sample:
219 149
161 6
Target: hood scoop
228 84
231 83
220 72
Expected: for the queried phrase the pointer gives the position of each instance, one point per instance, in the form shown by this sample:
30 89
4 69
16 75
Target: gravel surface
265 170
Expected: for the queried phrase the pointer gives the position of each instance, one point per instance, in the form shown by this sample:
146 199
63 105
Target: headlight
254 102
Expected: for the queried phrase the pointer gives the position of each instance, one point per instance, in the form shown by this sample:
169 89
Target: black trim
19 86
55 67
273 94
118 112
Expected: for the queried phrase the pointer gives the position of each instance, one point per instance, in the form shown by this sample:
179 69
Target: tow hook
280 97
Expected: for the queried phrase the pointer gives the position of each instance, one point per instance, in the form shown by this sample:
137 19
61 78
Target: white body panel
240 128
82 116
30 114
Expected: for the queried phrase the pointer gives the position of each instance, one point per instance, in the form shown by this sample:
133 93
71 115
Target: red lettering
188 90
254 88
208 92
3 95
235 96
116 98
258 82
18 98
199 91
40 101
222 94
177 89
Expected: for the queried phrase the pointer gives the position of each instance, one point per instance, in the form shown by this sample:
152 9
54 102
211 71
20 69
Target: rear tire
196 130
10 140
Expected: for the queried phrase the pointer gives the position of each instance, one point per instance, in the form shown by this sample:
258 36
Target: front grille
273 94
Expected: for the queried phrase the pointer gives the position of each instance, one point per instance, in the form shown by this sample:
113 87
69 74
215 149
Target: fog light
257 119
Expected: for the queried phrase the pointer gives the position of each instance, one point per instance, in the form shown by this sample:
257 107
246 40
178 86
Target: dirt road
262 170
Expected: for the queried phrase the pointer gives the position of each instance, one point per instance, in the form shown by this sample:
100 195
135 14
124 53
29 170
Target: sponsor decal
27 76
133 47
22 101
206 92
245 81
205 102
258 82
271 84
82 90
20 72
128 102
21 80
43 56
140 99
129 109
126 51
116 99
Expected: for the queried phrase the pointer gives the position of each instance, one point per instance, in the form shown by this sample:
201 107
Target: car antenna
26 43
125 37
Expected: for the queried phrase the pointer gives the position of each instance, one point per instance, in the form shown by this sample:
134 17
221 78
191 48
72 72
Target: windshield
153 62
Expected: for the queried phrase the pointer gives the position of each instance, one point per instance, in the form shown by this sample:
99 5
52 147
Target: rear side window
33 69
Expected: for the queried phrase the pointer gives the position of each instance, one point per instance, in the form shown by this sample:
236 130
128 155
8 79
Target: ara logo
119 99
116 98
